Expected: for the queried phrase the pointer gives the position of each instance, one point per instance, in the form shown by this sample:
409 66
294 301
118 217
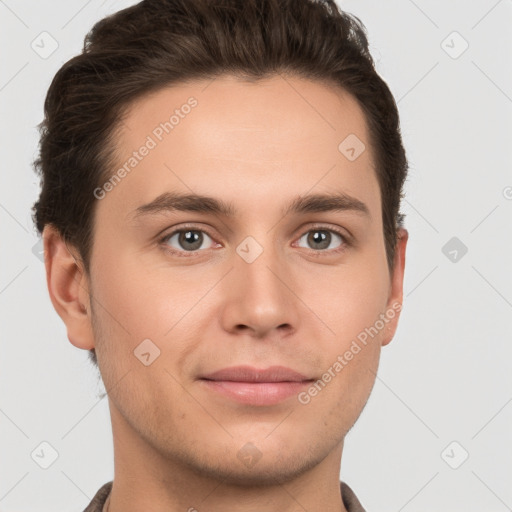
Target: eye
321 238
189 241
186 240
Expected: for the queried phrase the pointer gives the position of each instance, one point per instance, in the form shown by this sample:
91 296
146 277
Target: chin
248 467
261 475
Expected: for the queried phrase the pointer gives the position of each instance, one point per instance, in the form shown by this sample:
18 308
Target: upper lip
251 374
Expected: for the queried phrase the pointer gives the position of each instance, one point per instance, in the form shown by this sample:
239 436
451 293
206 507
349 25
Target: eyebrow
174 201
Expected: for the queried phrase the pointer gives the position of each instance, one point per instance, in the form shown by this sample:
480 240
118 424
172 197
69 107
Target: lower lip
256 393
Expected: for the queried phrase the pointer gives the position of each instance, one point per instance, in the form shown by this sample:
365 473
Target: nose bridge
258 262
258 294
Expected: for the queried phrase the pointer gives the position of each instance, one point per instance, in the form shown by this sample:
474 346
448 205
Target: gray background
444 387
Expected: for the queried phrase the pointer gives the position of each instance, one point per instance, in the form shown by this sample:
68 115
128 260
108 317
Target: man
258 132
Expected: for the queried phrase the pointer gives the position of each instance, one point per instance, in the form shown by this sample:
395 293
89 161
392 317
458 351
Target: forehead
242 140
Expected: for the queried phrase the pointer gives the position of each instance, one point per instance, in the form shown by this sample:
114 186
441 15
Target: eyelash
346 243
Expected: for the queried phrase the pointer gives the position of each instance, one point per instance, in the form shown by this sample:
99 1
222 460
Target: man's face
260 288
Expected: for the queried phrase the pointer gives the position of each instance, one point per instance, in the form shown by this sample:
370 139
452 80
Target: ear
68 287
394 304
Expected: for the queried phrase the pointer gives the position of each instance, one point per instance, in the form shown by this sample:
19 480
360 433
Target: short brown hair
160 42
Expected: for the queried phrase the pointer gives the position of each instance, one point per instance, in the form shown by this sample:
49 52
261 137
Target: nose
259 296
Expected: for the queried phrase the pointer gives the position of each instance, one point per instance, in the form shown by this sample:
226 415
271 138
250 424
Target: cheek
348 300
139 303
131 297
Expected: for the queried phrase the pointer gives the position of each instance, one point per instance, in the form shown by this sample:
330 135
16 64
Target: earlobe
68 288
394 304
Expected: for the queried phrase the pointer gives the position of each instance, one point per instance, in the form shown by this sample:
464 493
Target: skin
298 304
